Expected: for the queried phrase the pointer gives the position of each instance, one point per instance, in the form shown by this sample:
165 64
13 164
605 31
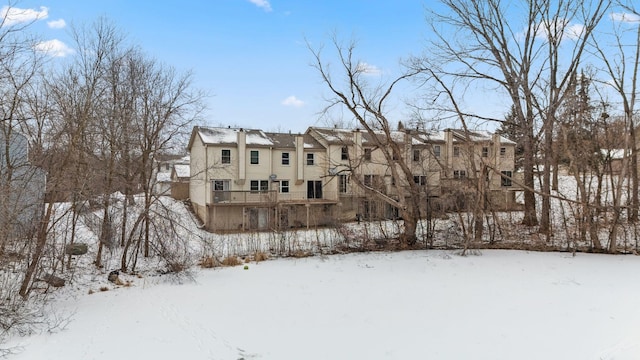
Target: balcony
271 197
221 197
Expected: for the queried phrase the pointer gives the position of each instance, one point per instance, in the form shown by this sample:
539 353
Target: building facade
245 179
22 187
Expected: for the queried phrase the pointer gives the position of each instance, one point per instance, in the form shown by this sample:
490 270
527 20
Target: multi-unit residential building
244 179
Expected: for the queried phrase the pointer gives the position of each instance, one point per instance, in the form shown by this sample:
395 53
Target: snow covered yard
403 305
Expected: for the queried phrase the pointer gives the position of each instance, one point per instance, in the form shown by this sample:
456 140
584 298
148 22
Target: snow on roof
612 153
163 177
230 136
427 136
182 170
478 136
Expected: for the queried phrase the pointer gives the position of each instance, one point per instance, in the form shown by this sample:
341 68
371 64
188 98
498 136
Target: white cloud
262 4
562 28
13 15
54 48
368 69
57 24
292 101
625 17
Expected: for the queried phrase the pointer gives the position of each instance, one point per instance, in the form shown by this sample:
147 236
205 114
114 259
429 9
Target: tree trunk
530 218
35 260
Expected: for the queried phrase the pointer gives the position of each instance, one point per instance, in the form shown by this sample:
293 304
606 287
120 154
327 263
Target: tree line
567 74
94 124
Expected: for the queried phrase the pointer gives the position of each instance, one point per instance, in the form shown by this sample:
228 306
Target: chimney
357 144
299 159
448 143
242 156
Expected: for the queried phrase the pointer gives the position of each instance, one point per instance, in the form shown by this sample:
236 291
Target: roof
163 177
229 136
612 154
478 136
221 136
182 170
336 136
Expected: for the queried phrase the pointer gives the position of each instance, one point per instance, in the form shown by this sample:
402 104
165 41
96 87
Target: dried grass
231 261
261 256
208 262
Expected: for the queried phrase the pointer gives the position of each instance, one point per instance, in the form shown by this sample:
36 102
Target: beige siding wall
198 184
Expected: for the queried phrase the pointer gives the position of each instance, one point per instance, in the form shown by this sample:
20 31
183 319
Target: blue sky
250 55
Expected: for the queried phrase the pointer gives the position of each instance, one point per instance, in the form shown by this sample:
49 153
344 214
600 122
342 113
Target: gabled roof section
182 171
311 143
478 136
427 137
332 136
229 136
336 136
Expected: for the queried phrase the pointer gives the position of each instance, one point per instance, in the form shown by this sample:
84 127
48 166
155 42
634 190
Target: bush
208 262
231 261
301 254
261 256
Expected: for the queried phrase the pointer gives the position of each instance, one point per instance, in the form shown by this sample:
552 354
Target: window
459 174
344 155
436 151
343 183
420 180
395 155
368 180
255 156
220 185
416 155
226 156
259 185
285 158
167 166
284 186
503 151
310 159
456 151
506 178
485 152
367 154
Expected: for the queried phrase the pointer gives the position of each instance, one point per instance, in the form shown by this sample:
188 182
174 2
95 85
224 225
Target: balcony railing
225 197
269 197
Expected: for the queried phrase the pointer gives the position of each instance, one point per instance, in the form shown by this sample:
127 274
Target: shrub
301 254
261 256
231 261
208 262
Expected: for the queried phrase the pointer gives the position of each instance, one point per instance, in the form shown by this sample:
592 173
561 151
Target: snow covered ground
403 305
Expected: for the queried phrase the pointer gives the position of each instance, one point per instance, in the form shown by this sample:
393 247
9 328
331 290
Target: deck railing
269 197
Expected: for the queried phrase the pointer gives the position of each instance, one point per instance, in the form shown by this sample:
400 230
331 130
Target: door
258 218
221 192
314 189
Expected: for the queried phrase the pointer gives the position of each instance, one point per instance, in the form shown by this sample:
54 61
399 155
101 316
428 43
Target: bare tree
621 71
368 106
521 52
167 106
